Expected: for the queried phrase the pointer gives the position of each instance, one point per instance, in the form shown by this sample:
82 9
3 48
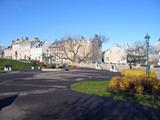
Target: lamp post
147 37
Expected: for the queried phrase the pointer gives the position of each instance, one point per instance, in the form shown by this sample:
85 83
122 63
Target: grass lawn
100 88
1 71
17 65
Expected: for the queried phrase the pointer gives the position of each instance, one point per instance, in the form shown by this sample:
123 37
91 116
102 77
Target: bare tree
154 55
139 45
96 49
77 49
158 45
72 49
140 48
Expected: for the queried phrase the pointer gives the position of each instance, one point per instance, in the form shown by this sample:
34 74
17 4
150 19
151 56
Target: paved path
47 96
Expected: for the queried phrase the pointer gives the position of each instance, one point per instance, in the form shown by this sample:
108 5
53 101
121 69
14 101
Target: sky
122 21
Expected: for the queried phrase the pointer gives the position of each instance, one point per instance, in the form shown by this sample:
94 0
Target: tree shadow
7 101
148 100
18 76
87 107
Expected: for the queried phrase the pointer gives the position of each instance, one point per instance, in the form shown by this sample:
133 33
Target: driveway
35 95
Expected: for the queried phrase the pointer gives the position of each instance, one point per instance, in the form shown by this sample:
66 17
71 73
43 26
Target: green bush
137 73
38 63
53 66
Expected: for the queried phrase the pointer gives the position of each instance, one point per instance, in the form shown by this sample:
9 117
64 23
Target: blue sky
123 21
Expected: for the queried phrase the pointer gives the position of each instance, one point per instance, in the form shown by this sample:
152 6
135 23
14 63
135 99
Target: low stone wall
86 65
103 66
50 70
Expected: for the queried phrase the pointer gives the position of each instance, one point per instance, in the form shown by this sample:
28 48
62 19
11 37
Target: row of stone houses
74 51
24 49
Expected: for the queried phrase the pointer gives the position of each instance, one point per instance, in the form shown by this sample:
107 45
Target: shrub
155 87
41 65
38 63
125 84
139 89
135 85
53 66
61 66
72 66
137 73
114 83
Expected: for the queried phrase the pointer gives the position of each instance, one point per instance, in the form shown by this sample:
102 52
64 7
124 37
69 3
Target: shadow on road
7 101
76 106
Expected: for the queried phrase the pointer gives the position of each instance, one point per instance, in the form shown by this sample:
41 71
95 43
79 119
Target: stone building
39 49
1 51
16 52
115 55
8 52
56 53
125 54
25 49
21 49
135 55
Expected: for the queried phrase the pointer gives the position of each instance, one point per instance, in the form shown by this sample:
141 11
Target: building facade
25 49
79 50
115 55
39 50
1 51
56 53
16 53
21 49
8 52
124 55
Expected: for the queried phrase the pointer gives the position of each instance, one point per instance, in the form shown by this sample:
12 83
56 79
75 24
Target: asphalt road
29 95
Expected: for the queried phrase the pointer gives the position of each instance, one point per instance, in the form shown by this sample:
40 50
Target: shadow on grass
153 101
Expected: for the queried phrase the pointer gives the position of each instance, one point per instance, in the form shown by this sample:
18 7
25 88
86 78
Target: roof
37 44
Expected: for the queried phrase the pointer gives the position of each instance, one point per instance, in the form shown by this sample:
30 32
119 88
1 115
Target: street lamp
147 37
